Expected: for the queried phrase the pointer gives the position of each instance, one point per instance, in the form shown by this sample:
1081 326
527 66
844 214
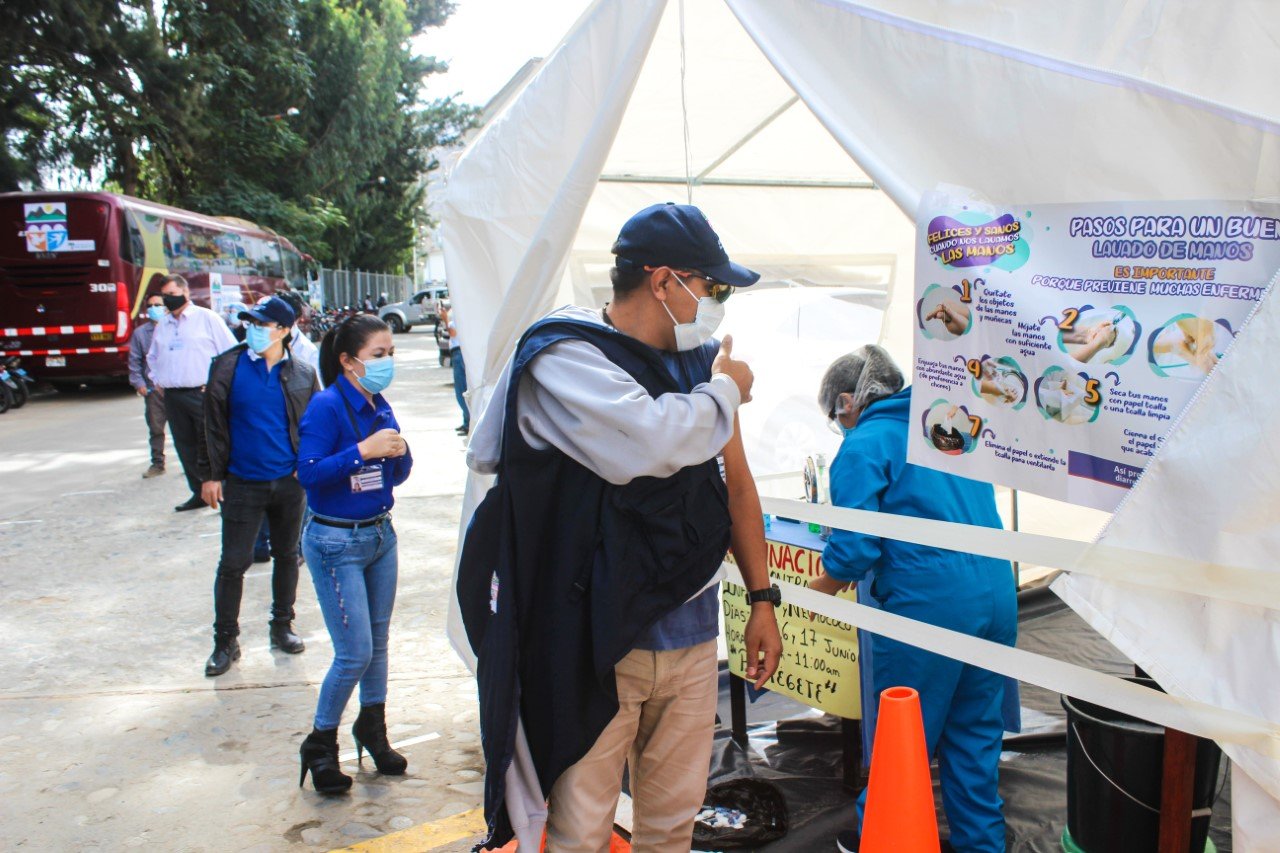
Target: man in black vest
589 573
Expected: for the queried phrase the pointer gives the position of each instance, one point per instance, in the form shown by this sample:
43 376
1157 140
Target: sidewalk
113 737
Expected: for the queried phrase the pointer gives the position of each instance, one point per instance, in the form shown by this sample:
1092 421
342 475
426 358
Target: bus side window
293 268
132 249
271 267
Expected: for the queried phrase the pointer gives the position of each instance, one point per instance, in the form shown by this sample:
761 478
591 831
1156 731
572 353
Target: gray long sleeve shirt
574 398
139 343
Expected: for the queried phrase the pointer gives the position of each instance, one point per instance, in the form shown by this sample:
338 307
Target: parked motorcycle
17 380
7 386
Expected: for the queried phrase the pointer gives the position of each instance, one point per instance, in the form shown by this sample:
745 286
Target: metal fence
339 288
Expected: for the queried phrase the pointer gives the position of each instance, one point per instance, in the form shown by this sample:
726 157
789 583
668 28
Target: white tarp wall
1094 100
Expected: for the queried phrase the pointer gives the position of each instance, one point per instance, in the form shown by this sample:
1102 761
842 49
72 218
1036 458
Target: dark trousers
184 407
155 424
244 503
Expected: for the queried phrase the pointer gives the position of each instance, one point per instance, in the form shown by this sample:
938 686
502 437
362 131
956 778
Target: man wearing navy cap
588 577
254 400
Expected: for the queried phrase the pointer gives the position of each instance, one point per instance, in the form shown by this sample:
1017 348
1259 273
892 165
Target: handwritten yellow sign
819 664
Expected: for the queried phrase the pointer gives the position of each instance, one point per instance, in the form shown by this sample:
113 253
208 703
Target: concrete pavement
112 736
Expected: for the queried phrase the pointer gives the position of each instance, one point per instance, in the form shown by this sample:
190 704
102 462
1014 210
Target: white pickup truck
417 310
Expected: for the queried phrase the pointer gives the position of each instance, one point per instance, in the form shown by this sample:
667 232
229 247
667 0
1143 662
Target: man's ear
659 282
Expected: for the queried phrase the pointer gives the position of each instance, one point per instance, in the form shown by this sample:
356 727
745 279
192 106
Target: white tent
808 129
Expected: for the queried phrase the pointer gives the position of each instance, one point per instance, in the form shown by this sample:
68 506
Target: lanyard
351 415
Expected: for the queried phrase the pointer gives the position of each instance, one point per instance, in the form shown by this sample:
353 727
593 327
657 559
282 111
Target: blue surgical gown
964 707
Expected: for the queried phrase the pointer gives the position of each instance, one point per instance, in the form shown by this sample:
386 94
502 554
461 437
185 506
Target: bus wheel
396 324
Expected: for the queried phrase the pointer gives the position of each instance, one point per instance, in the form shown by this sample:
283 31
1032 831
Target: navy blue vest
583 569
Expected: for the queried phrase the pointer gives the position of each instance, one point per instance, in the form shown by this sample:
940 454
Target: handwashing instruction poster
1055 344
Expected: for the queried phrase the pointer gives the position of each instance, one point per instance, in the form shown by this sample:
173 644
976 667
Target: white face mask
693 335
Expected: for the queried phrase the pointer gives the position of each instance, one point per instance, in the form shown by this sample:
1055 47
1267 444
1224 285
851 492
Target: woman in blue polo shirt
350 456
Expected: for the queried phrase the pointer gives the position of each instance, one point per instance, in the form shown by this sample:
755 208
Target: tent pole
751 134
740 182
1175 791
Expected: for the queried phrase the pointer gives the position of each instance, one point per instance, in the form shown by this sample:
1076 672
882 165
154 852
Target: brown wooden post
1176 791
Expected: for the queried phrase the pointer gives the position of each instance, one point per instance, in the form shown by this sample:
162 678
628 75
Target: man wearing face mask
139 342
186 340
588 576
255 400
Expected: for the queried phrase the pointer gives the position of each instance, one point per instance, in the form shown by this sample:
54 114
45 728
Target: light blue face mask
258 338
155 313
378 374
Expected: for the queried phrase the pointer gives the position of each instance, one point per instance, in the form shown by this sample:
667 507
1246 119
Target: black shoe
283 638
319 754
192 503
370 732
262 556
226 648
463 430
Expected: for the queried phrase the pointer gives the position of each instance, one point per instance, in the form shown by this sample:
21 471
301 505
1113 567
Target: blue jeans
354 572
460 384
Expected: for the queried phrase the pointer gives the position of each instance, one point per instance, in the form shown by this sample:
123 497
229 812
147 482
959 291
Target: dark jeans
155 425
460 384
184 407
262 545
244 503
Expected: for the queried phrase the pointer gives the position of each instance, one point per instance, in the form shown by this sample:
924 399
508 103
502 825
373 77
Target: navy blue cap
273 309
678 236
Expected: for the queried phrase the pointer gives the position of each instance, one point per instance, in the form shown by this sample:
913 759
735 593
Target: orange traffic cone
899 816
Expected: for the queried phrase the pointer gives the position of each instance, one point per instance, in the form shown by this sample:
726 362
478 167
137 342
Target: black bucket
1114 764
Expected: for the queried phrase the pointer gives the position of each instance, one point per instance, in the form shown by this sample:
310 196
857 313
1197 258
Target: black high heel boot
370 732
319 753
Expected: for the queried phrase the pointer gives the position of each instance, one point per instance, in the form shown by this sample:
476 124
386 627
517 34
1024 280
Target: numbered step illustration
1099 335
1188 346
1068 397
945 313
950 428
998 381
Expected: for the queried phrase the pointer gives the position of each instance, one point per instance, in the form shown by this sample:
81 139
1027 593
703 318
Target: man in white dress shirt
185 342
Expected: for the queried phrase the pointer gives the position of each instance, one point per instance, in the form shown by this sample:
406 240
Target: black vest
583 567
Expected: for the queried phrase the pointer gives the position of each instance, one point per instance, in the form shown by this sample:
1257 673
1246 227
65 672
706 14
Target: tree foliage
302 115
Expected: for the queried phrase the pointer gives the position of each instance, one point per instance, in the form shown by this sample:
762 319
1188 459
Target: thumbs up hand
738 371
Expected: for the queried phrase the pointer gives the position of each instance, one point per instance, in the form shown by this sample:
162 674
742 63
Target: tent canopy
808 130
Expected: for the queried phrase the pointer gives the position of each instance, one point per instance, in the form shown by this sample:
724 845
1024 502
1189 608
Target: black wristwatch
772 595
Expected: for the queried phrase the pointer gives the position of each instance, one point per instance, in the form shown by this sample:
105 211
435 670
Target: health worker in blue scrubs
350 457
964 707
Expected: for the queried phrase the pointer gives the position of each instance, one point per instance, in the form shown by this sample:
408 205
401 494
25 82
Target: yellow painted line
427 836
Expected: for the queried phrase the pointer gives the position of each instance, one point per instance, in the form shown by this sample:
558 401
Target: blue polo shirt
336 421
697 620
261 448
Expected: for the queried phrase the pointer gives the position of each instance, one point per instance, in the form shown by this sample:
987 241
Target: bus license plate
55 361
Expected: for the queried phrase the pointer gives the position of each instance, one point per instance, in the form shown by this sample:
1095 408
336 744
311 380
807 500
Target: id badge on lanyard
369 477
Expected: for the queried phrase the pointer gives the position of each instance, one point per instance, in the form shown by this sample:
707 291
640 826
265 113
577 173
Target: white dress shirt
305 350
184 345
574 398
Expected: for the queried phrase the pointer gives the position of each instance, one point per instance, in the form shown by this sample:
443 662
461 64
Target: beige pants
663 729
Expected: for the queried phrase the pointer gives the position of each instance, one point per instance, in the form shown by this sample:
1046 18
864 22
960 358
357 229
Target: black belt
350 525
188 388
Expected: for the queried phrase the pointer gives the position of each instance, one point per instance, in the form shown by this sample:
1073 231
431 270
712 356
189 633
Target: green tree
302 115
